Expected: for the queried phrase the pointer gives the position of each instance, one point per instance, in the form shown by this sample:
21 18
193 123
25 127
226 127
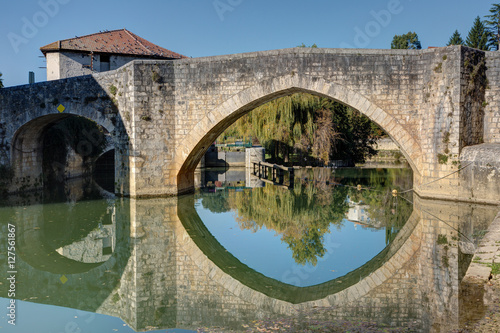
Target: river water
347 246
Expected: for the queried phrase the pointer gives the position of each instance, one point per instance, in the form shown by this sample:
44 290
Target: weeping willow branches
304 128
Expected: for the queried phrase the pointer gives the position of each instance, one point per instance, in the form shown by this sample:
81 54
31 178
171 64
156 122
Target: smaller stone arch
27 146
196 142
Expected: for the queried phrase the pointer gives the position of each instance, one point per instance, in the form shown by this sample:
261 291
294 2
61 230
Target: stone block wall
492 98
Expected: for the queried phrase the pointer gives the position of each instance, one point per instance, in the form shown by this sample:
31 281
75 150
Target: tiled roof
116 41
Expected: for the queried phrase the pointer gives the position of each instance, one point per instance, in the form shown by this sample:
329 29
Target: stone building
99 52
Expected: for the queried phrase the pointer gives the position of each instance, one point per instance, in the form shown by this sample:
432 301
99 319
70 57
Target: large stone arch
199 138
27 145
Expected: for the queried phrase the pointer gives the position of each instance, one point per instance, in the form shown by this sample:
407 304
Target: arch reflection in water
321 229
168 271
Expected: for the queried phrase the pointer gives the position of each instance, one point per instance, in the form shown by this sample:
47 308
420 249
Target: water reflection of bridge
168 271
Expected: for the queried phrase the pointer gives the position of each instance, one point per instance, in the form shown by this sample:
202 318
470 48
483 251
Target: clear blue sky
211 27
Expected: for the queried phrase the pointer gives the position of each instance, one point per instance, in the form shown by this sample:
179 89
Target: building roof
116 42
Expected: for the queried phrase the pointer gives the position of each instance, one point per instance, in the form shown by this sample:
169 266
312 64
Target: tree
309 130
455 39
406 41
1 81
314 46
478 36
493 25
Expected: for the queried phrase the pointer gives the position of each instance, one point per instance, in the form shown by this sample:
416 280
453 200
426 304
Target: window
104 63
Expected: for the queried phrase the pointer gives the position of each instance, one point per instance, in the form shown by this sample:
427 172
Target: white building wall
53 68
62 65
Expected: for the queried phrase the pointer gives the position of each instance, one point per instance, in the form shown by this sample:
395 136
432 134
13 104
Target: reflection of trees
215 202
302 215
392 211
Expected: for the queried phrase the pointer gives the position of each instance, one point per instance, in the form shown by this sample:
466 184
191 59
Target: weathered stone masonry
165 114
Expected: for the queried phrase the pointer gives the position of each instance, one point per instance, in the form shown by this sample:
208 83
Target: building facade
99 52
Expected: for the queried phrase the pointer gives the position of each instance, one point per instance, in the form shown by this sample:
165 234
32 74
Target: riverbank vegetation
319 199
304 129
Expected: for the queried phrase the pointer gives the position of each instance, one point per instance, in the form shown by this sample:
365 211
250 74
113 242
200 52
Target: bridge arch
204 133
28 141
245 282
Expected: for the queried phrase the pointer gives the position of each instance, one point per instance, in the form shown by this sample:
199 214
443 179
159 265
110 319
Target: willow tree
314 129
285 123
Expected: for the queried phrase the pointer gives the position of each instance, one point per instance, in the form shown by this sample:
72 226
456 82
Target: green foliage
442 159
478 36
113 89
407 41
216 202
302 216
495 268
307 129
455 39
439 68
382 205
442 239
492 23
116 297
1 81
314 46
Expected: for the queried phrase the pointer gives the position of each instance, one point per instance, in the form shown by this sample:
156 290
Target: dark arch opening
104 170
57 153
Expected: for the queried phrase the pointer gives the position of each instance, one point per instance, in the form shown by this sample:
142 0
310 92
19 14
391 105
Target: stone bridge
440 106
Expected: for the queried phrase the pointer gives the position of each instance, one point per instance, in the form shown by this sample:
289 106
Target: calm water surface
239 250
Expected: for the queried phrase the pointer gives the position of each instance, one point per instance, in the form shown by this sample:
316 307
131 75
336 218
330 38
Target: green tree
492 23
314 46
215 202
406 41
304 128
1 81
455 39
478 36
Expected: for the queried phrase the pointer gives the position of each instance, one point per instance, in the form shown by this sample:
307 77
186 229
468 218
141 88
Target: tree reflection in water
319 199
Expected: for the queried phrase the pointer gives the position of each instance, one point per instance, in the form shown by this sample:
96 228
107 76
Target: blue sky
211 27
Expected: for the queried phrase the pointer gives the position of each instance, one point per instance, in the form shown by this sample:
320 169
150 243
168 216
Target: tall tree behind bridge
455 39
492 23
478 36
407 41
